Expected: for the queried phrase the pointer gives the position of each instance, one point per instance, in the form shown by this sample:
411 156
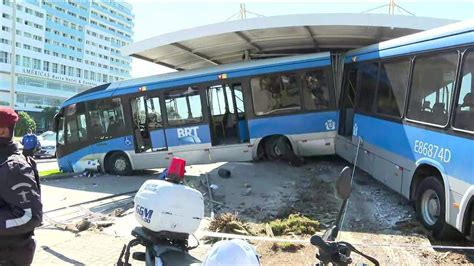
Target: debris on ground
247 192
224 173
117 212
229 223
83 225
297 224
287 247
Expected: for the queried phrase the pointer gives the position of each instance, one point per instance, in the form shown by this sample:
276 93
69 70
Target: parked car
48 145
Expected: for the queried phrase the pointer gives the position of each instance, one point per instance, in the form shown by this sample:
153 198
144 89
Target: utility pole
13 57
242 14
392 7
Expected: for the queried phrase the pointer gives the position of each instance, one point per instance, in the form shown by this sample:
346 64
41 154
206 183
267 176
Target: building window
26 61
55 68
45 66
4 57
36 64
70 71
430 98
78 72
63 69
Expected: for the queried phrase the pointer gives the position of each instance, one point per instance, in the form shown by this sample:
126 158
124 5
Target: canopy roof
263 37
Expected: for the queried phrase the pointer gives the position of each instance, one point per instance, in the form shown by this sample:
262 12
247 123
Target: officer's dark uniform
20 201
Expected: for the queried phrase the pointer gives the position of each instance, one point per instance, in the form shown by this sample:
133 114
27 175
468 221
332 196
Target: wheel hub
120 164
430 207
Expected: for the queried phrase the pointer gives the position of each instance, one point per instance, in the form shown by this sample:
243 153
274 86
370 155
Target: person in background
21 210
30 143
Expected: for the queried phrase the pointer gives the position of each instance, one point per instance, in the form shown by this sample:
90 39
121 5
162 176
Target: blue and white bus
410 103
234 112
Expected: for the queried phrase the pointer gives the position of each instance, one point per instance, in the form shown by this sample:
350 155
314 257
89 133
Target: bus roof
456 30
208 74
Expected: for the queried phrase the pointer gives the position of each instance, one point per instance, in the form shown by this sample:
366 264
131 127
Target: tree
48 115
25 122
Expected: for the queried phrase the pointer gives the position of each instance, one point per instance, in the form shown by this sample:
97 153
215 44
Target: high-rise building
62 48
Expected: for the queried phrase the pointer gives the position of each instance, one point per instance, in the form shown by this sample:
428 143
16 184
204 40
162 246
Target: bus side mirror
56 122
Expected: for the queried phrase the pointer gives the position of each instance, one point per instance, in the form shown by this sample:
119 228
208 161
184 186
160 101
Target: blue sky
154 18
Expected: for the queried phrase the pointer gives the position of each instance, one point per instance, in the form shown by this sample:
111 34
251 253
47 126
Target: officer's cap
8 117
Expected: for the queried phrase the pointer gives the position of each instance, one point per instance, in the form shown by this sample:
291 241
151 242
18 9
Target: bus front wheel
118 164
431 208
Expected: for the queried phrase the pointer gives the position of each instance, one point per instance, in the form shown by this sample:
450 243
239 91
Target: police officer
20 201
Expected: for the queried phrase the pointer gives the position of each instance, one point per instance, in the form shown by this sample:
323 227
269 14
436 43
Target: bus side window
392 87
275 94
183 106
316 90
432 88
464 112
106 118
367 85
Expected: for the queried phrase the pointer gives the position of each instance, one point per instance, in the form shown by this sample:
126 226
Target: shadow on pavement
61 256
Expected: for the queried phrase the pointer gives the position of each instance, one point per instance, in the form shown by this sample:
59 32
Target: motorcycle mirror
344 183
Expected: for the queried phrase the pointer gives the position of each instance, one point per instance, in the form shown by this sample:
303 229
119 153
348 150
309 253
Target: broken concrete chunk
247 192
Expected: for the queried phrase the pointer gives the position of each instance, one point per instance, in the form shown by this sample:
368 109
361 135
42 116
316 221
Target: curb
57 176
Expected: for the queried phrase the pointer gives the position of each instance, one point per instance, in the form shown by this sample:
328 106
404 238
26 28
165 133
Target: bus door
348 103
187 129
228 123
148 128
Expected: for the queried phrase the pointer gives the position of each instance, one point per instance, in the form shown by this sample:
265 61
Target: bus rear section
409 110
236 112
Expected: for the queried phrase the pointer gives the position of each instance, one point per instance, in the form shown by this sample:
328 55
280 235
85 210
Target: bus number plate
433 151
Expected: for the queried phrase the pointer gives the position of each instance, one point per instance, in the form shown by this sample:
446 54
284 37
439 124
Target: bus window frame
455 85
405 98
202 97
359 79
123 132
248 103
457 90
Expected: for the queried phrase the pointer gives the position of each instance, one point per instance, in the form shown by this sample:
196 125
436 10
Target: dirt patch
287 247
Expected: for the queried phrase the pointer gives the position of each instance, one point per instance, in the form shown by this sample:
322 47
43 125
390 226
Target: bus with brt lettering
233 112
408 104
406 108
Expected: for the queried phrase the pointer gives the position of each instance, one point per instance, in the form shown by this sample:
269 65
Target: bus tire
269 148
431 208
118 164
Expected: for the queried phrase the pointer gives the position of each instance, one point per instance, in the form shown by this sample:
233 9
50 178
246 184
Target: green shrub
25 122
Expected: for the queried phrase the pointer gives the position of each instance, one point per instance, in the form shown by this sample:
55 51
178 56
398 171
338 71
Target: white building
62 48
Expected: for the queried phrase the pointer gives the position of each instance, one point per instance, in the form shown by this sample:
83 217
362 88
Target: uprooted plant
295 224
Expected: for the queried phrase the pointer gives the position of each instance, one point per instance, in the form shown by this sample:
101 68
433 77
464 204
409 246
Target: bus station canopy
265 37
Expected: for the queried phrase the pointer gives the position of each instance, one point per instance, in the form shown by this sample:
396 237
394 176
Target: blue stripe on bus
449 41
293 124
117 144
401 139
287 66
